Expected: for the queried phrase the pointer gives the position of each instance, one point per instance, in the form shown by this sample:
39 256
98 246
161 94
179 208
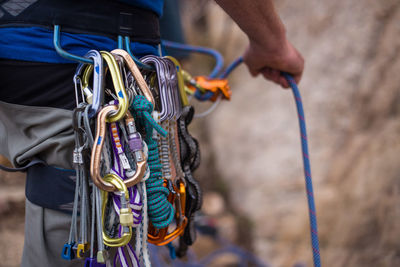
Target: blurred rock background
252 168
351 94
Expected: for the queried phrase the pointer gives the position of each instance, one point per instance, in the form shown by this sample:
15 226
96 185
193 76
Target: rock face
351 93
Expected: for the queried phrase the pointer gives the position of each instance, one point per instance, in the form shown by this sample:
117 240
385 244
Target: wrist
273 49
271 42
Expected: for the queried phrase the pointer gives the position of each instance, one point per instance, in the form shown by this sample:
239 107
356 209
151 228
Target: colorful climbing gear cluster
134 156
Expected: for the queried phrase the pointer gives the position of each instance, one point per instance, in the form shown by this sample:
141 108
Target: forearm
269 52
258 19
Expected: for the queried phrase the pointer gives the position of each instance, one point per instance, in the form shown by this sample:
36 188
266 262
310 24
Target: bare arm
269 52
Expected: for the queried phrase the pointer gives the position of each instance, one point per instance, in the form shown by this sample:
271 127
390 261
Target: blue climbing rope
230 68
219 60
307 171
303 133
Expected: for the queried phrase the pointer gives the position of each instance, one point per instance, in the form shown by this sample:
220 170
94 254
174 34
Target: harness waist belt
104 17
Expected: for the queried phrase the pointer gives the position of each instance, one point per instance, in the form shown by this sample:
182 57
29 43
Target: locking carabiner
118 87
96 155
126 216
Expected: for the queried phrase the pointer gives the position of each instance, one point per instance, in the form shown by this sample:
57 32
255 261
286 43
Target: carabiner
121 187
85 83
166 108
98 82
173 87
118 87
136 74
96 155
181 83
137 61
162 237
81 78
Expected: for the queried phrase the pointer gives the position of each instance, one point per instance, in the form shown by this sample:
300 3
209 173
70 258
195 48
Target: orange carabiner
162 237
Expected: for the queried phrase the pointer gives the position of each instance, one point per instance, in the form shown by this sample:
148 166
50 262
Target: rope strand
161 212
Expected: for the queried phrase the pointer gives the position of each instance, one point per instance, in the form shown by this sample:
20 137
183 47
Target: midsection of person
25 45
35 78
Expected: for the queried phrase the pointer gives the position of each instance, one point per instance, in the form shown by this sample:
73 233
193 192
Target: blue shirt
36 44
154 5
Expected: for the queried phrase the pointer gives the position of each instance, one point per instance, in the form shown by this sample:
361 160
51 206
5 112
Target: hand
270 62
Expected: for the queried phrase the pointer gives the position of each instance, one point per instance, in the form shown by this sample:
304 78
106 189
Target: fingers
271 64
283 82
272 75
275 76
251 63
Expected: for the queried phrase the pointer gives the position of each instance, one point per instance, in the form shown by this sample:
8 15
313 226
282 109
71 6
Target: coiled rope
161 212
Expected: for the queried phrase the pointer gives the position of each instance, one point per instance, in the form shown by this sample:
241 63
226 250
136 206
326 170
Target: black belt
104 17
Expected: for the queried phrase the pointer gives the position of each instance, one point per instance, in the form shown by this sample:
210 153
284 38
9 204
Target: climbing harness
134 156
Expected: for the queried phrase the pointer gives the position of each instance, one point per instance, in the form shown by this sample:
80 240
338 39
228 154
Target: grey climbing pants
46 232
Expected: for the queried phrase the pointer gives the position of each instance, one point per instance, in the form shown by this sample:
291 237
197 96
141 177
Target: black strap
50 188
33 162
104 17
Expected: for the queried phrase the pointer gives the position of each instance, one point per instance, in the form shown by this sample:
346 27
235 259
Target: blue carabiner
98 82
82 74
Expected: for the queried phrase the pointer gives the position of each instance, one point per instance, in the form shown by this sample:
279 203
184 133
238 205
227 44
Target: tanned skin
269 52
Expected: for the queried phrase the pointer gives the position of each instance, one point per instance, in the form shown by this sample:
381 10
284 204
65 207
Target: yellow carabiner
126 236
181 83
136 73
86 75
85 83
118 87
